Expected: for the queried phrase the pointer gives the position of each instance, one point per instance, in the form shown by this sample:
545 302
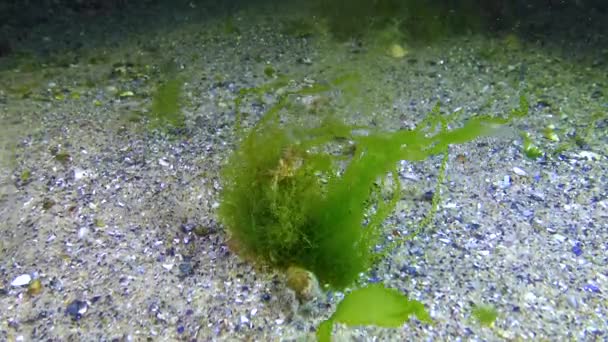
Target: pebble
21 280
506 182
591 288
186 269
76 309
56 285
303 283
187 227
163 162
559 237
572 302
538 196
530 297
518 171
80 173
576 249
428 196
589 155
527 213
82 232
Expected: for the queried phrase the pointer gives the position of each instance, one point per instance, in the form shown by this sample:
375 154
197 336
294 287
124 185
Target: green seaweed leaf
530 149
485 314
166 108
373 305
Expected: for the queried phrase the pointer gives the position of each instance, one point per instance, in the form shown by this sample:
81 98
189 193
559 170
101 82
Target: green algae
485 314
166 108
289 199
373 305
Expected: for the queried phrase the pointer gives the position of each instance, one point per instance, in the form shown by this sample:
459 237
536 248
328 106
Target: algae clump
290 197
166 109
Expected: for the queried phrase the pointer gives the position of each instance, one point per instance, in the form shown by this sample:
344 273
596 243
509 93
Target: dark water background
424 21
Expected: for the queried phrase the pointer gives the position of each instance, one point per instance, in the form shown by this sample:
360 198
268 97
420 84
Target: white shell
21 280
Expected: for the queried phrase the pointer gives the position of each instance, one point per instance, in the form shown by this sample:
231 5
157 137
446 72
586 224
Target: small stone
187 227
591 288
576 249
21 280
506 182
82 232
303 283
76 309
589 155
474 226
56 285
304 60
559 237
428 196
186 269
519 171
527 213
80 173
530 297
201 230
538 196
47 204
